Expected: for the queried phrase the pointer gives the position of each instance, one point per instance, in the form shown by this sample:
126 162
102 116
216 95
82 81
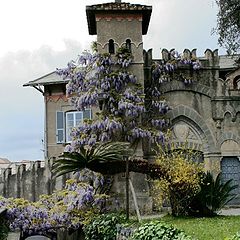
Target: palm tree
94 158
105 158
213 196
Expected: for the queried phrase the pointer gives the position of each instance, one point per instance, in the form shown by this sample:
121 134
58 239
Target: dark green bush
103 227
156 230
3 230
213 196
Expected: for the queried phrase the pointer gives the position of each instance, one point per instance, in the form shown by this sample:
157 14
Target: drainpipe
45 129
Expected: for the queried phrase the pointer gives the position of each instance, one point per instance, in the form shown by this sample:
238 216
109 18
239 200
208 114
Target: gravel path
230 212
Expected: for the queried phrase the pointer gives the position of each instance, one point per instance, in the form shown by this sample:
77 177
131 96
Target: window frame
75 123
63 128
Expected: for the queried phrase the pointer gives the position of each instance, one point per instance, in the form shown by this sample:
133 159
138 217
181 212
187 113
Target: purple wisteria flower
63 209
100 81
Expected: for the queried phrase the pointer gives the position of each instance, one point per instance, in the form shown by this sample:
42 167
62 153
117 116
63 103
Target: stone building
205 112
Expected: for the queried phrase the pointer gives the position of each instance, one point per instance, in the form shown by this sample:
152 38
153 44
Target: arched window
236 83
128 45
111 47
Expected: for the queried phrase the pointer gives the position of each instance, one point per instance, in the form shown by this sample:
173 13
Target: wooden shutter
60 127
87 114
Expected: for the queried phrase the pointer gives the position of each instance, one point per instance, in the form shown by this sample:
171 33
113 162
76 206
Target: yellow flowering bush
182 179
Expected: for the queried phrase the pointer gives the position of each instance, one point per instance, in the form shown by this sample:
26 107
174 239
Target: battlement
210 58
28 179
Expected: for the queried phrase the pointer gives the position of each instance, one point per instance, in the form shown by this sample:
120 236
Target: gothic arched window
128 45
111 47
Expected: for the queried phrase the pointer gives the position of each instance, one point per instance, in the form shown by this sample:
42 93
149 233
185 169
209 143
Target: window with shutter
87 114
60 132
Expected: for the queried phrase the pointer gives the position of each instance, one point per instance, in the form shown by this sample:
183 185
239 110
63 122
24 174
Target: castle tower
120 24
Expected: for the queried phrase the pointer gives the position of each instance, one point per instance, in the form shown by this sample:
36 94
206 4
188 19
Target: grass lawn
216 228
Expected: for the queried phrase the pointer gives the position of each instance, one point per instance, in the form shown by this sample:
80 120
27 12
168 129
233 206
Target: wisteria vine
67 209
164 69
103 81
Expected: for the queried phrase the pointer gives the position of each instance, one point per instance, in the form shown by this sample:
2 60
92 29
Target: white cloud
21 124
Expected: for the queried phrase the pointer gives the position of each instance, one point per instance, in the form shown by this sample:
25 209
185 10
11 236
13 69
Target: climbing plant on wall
66 209
105 82
167 69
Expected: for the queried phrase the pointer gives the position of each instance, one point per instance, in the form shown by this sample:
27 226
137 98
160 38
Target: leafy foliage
235 237
103 227
4 229
90 157
105 158
181 180
158 230
228 24
213 195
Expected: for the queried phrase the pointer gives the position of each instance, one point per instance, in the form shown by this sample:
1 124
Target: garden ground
215 228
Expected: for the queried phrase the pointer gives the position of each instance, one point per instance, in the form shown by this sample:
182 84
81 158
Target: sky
41 35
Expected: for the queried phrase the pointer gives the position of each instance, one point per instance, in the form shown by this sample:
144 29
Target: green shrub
156 230
213 196
103 227
3 232
4 228
235 237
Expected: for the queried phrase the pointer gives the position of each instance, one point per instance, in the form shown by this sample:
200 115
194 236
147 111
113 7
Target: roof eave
92 26
38 82
32 84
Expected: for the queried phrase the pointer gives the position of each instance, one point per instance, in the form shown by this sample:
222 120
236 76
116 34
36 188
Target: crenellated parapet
209 59
26 180
168 55
185 67
29 180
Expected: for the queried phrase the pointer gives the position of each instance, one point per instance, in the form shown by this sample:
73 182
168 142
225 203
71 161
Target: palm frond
95 158
214 195
111 151
69 162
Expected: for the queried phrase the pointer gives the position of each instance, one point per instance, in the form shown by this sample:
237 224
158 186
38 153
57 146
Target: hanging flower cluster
68 209
98 80
163 70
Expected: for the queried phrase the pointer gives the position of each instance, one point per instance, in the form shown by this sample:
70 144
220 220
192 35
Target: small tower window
128 45
111 47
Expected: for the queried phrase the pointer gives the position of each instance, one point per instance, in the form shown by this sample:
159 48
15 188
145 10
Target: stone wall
29 181
206 112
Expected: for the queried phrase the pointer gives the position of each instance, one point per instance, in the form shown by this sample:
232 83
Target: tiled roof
4 160
119 6
227 62
116 7
51 78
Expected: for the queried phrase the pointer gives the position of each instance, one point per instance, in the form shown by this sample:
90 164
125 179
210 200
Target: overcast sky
39 36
